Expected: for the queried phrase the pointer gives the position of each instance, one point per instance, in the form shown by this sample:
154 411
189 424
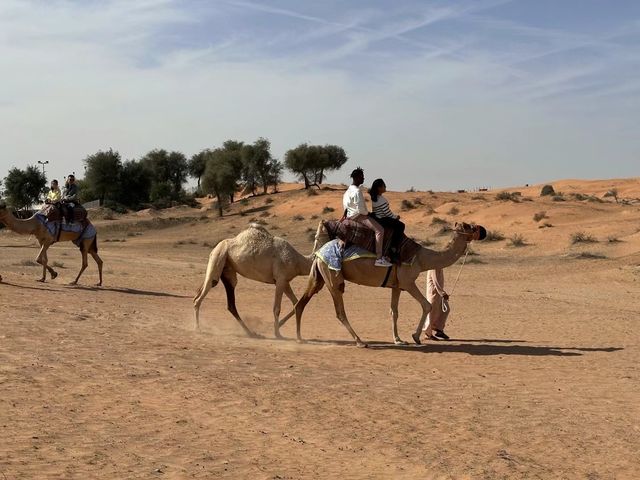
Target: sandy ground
541 379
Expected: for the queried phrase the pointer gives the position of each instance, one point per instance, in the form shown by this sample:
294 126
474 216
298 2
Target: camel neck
23 227
432 259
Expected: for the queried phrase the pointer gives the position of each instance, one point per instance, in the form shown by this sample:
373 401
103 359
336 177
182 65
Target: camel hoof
99 284
73 283
416 338
362 345
257 336
54 275
41 280
300 341
279 336
399 341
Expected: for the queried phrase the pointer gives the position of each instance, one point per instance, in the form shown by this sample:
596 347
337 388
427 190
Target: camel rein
445 306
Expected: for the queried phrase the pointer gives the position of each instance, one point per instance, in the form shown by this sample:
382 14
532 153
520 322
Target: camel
255 254
363 272
33 226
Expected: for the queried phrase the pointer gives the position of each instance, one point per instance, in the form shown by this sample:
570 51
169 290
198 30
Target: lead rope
445 306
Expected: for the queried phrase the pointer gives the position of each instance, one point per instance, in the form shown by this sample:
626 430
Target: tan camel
363 272
255 254
33 226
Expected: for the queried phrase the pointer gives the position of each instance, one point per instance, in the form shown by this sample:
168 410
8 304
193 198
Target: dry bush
539 216
612 239
547 190
268 200
314 217
326 210
429 210
545 225
589 256
311 192
494 236
582 237
444 229
418 201
559 197
407 205
517 240
479 197
453 211
438 221
297 218
505 196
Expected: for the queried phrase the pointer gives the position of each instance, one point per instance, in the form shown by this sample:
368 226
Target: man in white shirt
356 209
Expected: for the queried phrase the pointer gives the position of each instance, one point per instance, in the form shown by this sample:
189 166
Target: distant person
437 296
54 195
355 208
383 214
70 197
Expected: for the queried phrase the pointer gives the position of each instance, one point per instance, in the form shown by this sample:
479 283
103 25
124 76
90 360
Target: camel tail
217 261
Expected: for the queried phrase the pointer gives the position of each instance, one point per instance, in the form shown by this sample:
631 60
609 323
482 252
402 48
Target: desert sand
540 380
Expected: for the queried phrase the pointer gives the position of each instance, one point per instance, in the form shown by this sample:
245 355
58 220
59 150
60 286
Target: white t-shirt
353 202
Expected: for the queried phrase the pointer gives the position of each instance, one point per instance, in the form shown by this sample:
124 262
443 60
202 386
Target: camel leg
395 299
294 300
43 260
230 280
85 263
93 250
414 291
277 302
316 282
338 302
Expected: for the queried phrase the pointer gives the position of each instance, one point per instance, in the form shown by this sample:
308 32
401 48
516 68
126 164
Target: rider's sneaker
383 262
440 335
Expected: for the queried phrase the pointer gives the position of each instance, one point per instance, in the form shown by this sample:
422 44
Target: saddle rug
354 233
84 230
333 254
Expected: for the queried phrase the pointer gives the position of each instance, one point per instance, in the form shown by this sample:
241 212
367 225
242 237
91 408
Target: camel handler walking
437 297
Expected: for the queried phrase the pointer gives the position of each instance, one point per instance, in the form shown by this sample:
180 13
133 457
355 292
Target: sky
425 94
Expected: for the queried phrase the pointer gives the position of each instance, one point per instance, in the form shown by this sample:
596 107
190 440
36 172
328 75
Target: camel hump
259 228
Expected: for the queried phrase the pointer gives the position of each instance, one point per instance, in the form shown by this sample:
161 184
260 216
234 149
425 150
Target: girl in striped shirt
382 213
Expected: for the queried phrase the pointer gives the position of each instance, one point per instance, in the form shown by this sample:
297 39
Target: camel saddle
55 213
354 233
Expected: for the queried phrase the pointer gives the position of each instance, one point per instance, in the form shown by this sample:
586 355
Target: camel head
470 231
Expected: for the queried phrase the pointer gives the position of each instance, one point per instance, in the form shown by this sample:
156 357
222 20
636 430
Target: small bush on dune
517 240
539 216
505 196
326 210
613 239
582 237
453 211
547 190
418 201
494 236
297 218
438 221
407 205
559 197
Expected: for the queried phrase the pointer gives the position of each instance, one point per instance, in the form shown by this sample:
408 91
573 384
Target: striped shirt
381 208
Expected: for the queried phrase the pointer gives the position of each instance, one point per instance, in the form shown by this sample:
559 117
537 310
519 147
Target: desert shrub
580 196
314 217
582 237
545 225
558 198
478 197
453 211
418 201
407 205
297 218
517 240
547 190
539 216
326 210
311 192
590 256
444 229
505 196
438 221
612 239
429 210
268 200
494 236
412 189
593 198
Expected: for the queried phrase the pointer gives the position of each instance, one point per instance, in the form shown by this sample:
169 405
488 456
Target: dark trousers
398 229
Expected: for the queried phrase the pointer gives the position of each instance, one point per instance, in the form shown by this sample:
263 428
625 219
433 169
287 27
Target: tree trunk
220 212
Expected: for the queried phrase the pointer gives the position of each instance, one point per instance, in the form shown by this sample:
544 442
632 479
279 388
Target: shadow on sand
128 291
453 346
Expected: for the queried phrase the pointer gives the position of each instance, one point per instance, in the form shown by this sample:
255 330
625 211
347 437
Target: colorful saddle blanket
55 213
354 233
334 253
84 230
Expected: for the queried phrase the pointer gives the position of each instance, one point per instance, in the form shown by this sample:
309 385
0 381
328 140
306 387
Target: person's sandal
440 335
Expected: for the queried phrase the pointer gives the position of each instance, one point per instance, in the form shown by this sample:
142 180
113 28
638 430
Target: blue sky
431 94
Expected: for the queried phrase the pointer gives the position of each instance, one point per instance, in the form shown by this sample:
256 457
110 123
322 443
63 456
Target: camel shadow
128 291
29 288
476 349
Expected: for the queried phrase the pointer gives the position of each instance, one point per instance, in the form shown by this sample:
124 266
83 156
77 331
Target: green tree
221 176
134 184
197 164
102 174
259 167
167 167
311 162
24 187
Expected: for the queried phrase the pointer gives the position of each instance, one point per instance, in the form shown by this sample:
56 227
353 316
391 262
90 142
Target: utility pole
46 162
